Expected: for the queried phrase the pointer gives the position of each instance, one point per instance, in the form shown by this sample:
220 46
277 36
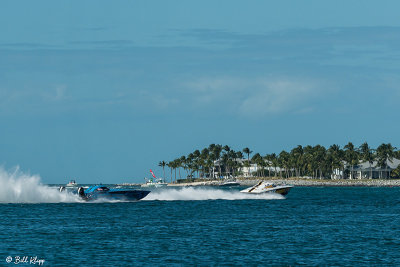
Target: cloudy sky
102 91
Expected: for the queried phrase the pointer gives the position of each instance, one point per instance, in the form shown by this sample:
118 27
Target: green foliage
395 173
311 161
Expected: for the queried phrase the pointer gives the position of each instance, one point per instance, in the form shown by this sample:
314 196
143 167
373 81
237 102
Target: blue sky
103 90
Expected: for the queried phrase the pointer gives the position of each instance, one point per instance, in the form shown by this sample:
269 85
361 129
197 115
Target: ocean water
336 226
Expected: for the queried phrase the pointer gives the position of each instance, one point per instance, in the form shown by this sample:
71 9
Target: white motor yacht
266 187
72 183
155 183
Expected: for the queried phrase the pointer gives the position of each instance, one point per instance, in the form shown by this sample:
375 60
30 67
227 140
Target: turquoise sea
334 226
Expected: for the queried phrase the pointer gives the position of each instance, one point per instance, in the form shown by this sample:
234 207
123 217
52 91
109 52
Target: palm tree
385 153
238 164
209 164
189 164
239 155
196 162
171 166
351 156
263 164
309 162
184 164
213 158
174 166
162 164
257 159
248 152
283 161
196 153
275 163
367 155
227 148
296 157
319 158
396 173
181 164
226 159
268 162
335 155
216 155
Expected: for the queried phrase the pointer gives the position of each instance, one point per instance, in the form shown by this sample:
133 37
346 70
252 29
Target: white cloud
278 96
55 93
60 92
162 102
258 96
154 101
216 89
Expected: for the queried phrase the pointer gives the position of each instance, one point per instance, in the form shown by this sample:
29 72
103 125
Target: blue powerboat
103 192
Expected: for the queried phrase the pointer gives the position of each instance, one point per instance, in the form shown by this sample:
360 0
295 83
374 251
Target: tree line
310 161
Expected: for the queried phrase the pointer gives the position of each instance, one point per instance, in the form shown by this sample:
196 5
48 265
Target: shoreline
302 182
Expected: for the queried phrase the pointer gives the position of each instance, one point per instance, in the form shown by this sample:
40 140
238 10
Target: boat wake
17 187
192 193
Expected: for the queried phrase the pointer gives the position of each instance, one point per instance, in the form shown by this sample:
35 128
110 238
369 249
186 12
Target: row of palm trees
311 161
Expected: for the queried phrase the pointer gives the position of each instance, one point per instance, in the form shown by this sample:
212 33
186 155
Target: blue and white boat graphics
101 191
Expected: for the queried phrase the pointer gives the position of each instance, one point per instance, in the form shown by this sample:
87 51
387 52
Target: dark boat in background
103 192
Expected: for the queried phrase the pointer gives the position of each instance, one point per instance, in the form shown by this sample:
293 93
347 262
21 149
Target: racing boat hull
265 187
102 192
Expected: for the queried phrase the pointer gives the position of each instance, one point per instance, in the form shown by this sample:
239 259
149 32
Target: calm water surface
312 226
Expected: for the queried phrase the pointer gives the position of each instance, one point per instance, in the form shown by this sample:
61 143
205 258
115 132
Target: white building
365 170
373 171
246 171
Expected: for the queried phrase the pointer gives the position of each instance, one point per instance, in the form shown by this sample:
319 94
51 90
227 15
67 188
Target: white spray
17 187
201 193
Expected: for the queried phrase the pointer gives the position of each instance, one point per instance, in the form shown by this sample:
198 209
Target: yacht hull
268 188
